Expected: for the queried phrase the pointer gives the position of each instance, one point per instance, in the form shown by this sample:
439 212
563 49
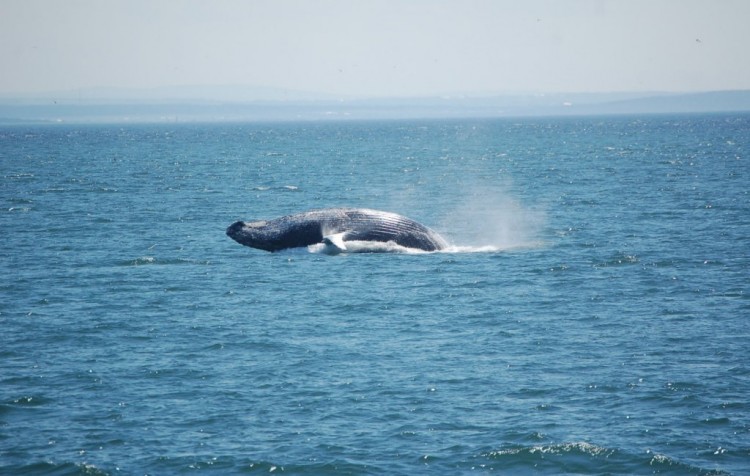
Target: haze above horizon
375 48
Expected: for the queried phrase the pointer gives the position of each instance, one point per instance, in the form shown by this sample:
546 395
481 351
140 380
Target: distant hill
717 101
191 104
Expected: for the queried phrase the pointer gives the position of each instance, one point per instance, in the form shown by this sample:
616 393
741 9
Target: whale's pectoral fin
336 240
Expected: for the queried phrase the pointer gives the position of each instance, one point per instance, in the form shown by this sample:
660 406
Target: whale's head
278 234
255 234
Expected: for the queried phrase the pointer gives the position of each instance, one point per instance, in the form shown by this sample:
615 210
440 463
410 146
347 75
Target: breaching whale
335 227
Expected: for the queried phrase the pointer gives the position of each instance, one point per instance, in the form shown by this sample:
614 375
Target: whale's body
334 227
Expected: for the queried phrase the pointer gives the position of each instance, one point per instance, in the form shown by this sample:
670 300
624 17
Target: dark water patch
619 259
27 401
333 467
716 421
215 347
54 469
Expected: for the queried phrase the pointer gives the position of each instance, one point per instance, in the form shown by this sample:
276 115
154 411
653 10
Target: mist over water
492 220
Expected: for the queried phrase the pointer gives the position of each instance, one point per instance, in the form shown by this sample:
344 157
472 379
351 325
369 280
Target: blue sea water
591 316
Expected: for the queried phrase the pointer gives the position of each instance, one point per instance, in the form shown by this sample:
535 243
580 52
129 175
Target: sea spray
492 220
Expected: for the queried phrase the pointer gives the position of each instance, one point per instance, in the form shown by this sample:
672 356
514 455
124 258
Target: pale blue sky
377 48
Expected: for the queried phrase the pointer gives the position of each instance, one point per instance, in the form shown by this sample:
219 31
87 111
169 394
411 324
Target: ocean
591 315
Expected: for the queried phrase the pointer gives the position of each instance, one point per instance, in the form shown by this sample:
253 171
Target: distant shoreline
134 110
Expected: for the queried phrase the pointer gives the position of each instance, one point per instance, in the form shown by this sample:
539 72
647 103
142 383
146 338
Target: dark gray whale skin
347 224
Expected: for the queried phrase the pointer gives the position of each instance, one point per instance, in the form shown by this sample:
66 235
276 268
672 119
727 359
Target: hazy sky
377 48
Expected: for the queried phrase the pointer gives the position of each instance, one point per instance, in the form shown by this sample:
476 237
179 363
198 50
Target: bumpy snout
235 228
253 234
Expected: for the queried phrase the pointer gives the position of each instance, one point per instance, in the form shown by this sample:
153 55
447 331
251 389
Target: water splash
364 247
486 221
492 221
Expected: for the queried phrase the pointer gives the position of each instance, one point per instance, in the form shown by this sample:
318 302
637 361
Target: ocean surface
592 315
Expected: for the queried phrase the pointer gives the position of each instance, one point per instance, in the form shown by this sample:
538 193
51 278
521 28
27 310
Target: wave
585 458
152 260
26 401
491 248
181 464
54 469
266 188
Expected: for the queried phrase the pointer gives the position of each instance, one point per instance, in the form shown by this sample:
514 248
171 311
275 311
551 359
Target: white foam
363 247
391 247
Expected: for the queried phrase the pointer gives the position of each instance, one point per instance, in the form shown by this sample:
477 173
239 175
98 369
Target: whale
334 228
